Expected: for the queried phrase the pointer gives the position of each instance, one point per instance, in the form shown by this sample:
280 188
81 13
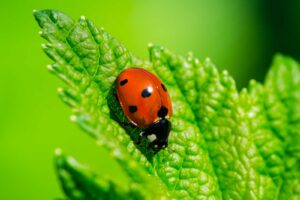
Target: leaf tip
58 151
150 45
100 143
225 72
190 56
207 60
73 118
244 91
59 90
82 17
252 82
44 46
117 153
50 67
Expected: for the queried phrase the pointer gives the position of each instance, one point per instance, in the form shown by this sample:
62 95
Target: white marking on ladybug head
155 146
151 137
164 146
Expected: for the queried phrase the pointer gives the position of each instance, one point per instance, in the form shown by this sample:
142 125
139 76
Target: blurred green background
240 36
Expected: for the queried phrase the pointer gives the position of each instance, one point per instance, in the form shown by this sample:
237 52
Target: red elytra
143 97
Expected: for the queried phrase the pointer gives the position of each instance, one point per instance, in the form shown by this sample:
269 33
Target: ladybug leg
142 134
140 137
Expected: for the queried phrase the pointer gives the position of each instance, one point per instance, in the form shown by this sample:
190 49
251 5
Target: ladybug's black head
158 133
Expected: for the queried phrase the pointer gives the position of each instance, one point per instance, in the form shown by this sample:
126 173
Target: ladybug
146 104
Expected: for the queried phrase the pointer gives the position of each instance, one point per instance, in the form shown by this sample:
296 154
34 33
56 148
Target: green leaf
223 144
87 88
223 121
282 104
78 182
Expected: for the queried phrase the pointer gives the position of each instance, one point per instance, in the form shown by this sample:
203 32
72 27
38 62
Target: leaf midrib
195 116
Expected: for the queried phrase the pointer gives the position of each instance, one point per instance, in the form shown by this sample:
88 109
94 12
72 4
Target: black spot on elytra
146 92
123 82
164 87
163 111
132 109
